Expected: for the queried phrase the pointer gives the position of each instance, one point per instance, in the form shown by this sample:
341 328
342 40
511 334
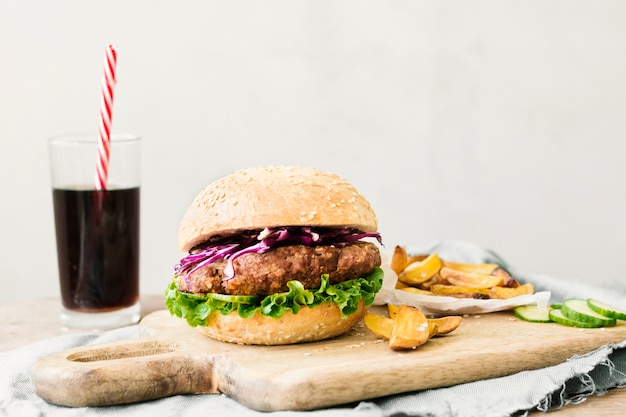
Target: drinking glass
97 230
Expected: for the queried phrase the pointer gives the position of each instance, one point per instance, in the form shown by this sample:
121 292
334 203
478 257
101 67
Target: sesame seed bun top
269 196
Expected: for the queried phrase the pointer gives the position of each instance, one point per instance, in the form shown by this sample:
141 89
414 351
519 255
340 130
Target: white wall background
498 122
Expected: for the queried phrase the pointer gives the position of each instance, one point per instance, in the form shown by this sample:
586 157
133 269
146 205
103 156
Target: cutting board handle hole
131 350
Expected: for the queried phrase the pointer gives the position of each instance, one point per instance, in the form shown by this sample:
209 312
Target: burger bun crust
267 196
308 325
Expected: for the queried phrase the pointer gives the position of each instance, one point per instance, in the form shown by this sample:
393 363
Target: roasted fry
507 279
410 329
417 258
407 327
470 279
433 329
504 292
420 271
456 289
400 285
379 325
485 269
392 310
427 284
415 290
446 324
399 259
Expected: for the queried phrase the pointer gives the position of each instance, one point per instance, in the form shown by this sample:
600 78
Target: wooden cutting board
171 358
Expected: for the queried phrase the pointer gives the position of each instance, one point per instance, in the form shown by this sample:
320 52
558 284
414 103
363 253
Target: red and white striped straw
106 106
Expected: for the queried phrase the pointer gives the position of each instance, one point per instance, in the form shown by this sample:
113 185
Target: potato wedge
407 327
399 259
505 292
470 279
400 285
421 271
392 310
410 329
456 289
446 324
507 279
485 269
417 258
379 325
432 329
416 290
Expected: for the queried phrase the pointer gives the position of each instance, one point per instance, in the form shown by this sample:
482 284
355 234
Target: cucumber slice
241 299
606 309
194 296
578 310
556 315
532 313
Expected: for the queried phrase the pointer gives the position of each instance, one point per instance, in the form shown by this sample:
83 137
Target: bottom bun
309 324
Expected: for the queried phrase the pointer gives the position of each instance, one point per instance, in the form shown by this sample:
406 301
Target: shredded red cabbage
230 248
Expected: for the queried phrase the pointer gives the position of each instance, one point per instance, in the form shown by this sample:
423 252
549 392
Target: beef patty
268 273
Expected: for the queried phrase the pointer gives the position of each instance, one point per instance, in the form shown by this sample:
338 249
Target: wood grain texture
172 358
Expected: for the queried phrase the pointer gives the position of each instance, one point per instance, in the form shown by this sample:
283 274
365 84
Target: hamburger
276 255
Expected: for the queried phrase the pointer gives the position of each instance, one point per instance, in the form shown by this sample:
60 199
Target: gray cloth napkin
544 389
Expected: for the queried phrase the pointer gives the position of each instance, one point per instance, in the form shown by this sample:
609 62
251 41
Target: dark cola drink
97 234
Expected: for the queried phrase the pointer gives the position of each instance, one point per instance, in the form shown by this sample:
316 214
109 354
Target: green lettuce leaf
347 295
